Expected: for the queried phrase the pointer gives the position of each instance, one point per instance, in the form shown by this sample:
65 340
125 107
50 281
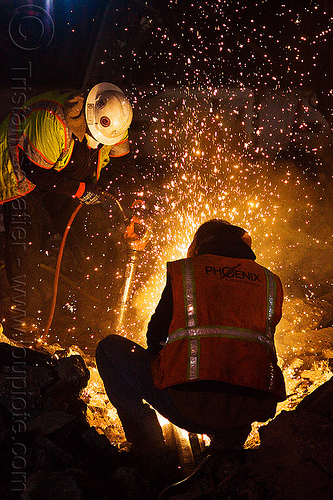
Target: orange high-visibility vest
225 311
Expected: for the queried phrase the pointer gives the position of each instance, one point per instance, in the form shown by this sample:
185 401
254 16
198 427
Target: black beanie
219 237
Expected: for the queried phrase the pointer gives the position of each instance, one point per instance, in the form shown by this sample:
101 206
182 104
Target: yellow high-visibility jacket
42 129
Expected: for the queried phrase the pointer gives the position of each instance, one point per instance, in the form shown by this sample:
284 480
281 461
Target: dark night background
146 47
253 43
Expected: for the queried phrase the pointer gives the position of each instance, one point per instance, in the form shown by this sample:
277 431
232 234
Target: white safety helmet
108 113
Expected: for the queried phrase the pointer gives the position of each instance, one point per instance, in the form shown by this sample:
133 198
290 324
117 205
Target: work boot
149 454
143 431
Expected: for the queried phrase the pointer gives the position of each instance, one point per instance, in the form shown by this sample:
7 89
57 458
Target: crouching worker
210 366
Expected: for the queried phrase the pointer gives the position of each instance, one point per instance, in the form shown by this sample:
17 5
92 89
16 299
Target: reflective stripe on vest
271 299
194 333
15 134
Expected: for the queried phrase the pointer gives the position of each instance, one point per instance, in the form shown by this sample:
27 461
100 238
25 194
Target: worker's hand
91 195
137 233
135 229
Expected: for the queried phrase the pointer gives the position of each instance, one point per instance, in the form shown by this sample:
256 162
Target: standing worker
210 366
57 151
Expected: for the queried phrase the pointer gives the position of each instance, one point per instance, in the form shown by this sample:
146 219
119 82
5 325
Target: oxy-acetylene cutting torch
136 237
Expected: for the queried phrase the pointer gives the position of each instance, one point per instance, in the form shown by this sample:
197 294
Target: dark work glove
91 195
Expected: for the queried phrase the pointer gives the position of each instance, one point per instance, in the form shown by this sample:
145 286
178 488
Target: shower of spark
281 207
211 157
226 160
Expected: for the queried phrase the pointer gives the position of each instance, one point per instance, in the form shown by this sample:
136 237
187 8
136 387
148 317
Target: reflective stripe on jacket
224 315
43 130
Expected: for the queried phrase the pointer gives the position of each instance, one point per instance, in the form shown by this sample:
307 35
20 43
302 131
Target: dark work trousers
96 250
125 369
22 246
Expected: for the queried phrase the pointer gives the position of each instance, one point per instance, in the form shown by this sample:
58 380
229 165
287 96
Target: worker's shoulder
50 99
218 260
210 256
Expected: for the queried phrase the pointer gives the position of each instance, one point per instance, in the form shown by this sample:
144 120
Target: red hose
57 270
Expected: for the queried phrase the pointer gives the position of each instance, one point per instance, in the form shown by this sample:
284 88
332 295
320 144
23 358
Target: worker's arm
52 180
121 178
43 143
158 326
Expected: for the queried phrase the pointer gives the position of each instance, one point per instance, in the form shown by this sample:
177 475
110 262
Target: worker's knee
114 346
107 345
